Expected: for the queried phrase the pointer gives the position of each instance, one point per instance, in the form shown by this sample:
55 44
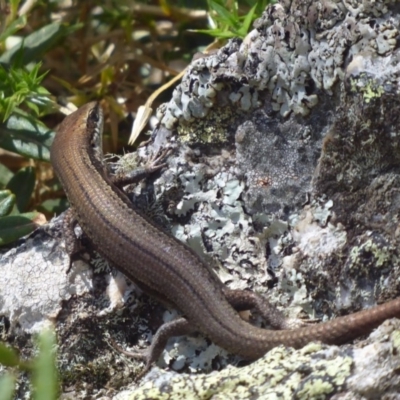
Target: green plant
23 100
42 369
228 21
21 86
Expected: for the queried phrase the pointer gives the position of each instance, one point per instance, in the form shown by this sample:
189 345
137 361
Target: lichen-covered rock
297 49
339 158
315 90
315 372
285 174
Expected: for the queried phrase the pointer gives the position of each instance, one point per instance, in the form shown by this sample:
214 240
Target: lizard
167 268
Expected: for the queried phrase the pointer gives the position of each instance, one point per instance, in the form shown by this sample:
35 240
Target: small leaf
27 137
247 22
5 175
34 46
22 185
12 227
7 384
218 33
8 356
44 374
7 201
16 25
53 206
225 15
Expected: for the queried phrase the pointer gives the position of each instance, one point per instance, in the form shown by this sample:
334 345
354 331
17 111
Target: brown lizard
167 268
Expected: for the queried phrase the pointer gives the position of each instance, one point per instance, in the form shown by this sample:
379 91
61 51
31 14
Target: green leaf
44 374
22 185
15 26
5 175
8 356
7 201
225 15
27 137
53 206
12 227
14 7
247 22
216 33
228 22
7 384
34 46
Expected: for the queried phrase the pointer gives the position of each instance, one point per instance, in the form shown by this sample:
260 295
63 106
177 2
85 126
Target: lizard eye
94 115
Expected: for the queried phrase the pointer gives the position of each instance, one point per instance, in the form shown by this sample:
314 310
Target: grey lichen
217 214
33 281
296 49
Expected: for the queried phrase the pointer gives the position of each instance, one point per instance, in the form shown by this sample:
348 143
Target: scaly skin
164 266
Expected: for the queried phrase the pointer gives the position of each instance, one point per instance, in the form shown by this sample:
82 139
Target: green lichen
283 373
368 87
396 340
381 254
315 389
212 129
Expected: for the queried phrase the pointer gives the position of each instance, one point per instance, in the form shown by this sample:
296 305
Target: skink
167 268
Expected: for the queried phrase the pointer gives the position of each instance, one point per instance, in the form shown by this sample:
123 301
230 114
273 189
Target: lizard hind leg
177 327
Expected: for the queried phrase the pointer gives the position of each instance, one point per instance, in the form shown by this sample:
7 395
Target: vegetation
41 369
